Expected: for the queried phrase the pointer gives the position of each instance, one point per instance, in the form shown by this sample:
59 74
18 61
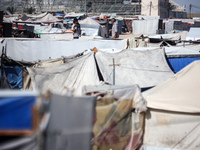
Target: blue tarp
58 14
16 113
14 76
176 64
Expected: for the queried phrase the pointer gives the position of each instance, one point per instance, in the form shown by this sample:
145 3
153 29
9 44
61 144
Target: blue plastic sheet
16 113
176 64
14 76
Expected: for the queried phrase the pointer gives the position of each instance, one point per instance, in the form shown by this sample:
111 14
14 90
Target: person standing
114 29
76 29
1 31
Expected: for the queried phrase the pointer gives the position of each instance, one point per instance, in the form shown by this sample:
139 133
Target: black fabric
1 17
160 24
4 84
7 28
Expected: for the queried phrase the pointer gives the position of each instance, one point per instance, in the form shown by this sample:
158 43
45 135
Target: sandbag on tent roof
179 93
73 75
172 121
145 68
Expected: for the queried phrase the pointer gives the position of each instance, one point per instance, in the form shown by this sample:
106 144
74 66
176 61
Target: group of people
76 28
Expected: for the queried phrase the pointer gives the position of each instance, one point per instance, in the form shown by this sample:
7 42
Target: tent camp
172 121
89 26
145 68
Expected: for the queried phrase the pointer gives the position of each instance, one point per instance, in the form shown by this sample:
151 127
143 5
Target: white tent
73 14
145 68
89 21
42 49
49 18
193 34
36 15
89 26
173 120
73 75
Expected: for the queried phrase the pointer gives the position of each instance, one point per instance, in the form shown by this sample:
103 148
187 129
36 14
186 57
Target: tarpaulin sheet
42 49
16 113
14 76
70 124
145 68
73 75
177 64
118 126
147 27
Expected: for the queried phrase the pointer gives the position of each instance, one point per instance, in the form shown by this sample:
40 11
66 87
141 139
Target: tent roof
145 68
179 93
89 21
193 34
73 14
182 51
37 15
49 18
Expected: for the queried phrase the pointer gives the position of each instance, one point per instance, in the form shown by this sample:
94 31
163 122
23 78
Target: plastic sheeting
70 124
38 49
179 93
72 75
145 68
117 125
178 64
11 109
147 27
14 76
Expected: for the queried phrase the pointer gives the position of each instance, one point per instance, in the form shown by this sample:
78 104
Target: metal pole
86 7
113 71
150 8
